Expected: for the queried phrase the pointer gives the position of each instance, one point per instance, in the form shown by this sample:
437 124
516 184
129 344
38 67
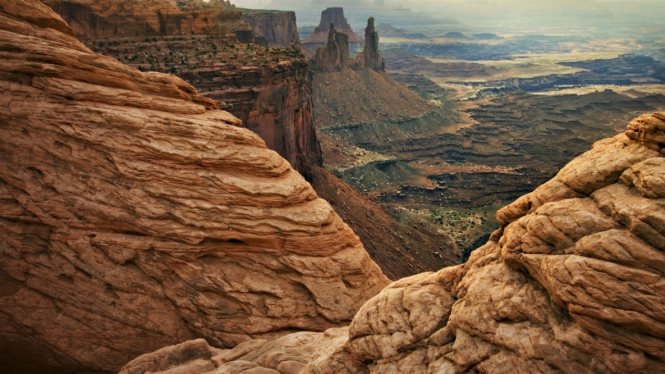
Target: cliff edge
573 282
135 215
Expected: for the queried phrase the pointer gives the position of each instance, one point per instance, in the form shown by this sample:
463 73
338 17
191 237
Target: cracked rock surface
135 215
573 282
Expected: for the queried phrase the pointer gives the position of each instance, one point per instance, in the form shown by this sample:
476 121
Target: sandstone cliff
268 89
571 283
132 18
279 28
136 215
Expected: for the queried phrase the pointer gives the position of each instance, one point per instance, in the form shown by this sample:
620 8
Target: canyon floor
496 119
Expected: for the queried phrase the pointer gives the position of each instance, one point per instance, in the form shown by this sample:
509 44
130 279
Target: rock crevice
136 215
571 283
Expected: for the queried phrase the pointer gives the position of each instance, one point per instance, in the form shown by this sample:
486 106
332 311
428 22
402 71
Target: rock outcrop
334 55
131 19
135 215
331 17
573 282
273 100
371 57
268 89
279 28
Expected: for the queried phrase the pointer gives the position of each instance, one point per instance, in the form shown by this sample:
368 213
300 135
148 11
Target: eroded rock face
279 28
130 18
573 282
334 55
135 215
332 16
371 57
270 91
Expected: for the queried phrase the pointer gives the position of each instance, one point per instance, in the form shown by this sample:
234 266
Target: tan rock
134 215
572 283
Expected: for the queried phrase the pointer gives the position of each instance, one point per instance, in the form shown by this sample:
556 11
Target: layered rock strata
135 215
571 283
269 89
131 19
279 28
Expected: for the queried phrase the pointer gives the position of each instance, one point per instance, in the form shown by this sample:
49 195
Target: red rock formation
273 100
371 57
131 19
334 56
268 91
573 282
135 215
279 28
332 16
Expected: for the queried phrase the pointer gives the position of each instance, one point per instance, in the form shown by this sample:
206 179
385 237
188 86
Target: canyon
136 214
269 90
147 229
572 282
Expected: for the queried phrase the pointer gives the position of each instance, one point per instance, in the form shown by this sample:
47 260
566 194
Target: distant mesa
455 35
486 36
387 30
331 17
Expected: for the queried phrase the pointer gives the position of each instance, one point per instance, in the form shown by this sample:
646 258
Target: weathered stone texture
573 282
134 215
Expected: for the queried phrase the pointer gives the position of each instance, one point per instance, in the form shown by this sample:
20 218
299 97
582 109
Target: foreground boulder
573 282
135 215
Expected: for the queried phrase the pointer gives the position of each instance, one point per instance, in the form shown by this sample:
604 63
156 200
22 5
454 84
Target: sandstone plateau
572 282
135 215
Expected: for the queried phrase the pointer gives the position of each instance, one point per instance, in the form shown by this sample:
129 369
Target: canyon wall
279 28
269 90
572 282
130 19
135 215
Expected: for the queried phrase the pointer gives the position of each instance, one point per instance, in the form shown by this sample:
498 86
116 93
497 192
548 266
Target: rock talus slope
135 215
573 282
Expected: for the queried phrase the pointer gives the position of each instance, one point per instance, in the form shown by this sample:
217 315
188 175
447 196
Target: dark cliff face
334 55
278 28
371 55
273 100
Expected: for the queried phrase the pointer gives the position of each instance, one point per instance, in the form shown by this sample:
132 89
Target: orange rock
574 282
135 215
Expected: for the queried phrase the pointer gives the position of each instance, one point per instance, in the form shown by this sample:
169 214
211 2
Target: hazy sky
479 11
